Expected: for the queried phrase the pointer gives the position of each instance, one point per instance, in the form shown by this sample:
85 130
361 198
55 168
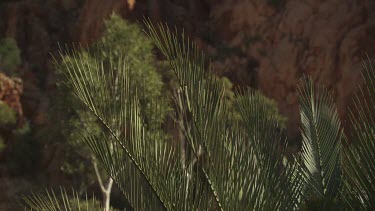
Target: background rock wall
324 39
264 44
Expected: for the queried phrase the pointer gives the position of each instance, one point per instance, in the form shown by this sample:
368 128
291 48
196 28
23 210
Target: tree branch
98 175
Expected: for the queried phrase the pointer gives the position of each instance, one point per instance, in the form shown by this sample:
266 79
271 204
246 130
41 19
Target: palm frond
147 171
230 166
52 201
228 163
321 143
279 185
202 95
359 156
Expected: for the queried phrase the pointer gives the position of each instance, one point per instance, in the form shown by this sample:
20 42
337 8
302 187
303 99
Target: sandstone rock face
92 14
265 44
324 39
271 45
10 92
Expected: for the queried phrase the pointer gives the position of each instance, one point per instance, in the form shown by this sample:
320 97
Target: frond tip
61 201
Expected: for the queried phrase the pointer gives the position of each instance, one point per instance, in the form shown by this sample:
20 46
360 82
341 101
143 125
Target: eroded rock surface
264 44
10 93
324 39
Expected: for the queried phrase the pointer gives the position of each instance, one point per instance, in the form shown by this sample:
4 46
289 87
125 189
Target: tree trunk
107 195
106 190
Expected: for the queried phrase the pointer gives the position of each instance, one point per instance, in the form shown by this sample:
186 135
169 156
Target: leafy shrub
233 101
7 115
23 153
120 40
124 40
10 55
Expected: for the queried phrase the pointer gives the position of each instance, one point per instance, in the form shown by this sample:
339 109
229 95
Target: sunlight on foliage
321 142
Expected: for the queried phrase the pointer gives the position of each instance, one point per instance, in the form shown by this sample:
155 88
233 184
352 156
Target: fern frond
51 201
279 185
359 155
231 164
147 170
321 140
201 93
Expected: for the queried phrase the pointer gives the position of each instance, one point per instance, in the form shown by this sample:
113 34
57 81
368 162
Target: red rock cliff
324 39
254 42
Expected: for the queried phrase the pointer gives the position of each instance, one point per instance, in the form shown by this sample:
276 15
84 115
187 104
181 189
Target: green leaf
148 172
51 201
226 159
278 185
359 155
321 140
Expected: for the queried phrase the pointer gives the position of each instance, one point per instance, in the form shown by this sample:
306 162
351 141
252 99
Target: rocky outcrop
91 16
10 93
324 39
264 44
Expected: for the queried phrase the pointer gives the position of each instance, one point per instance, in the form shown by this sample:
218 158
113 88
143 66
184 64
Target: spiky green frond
202 95
321 140
99 88
279 185
359 156
147 171
236 164
52 201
